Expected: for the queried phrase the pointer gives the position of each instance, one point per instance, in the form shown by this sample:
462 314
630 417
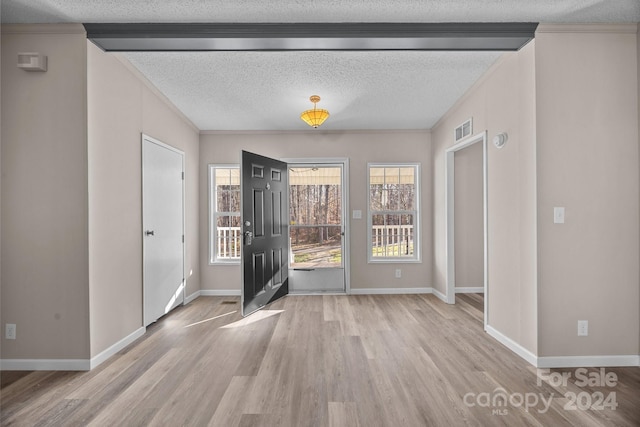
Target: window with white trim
393 212
225 232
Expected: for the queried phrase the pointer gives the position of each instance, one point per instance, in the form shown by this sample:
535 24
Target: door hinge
182 175
183 238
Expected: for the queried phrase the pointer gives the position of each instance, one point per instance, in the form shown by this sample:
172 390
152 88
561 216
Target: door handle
149 233
248 236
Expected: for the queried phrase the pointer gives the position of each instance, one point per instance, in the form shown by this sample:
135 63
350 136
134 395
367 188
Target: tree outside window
225 238
393 212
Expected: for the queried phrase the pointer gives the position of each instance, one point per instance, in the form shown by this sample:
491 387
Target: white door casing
450 214
331 279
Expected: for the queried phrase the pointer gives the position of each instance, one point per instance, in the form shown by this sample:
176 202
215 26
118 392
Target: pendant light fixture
315 117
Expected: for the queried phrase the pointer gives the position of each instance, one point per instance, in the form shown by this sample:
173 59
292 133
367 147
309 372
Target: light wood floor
310 361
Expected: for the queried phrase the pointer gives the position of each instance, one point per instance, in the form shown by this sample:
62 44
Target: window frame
214 214
417 250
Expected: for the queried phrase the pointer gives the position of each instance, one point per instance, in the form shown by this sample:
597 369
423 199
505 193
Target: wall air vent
464 130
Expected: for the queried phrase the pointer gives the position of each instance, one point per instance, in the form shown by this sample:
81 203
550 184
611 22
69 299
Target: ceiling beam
173 37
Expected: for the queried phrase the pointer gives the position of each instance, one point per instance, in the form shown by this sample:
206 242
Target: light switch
357 214
558 215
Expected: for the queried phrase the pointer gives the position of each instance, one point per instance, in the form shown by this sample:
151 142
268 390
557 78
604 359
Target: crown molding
473 89
588 28
43 29
144 80
314 132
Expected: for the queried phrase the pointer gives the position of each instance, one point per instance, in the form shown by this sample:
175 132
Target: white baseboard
191 297
512 345
104 355
469 289
45 365
440 295
564 361
354 291
69 364
398 291
220 292
390 291
588 361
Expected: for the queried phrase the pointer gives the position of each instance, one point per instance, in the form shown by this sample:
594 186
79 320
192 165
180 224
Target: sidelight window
225 233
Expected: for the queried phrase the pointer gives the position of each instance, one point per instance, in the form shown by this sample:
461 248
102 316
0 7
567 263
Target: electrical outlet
583 328
398 273
10 331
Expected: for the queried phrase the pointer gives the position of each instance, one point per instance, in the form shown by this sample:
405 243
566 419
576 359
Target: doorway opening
467 262
316 223
318 257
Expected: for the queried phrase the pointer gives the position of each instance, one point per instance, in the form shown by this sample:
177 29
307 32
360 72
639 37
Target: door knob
149 233
248 236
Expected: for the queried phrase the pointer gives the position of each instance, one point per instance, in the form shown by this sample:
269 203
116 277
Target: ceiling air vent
464 130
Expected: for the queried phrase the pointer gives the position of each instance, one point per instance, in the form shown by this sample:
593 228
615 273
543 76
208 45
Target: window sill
218 263
394 261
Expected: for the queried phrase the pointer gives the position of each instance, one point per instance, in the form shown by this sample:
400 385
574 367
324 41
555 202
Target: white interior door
163 228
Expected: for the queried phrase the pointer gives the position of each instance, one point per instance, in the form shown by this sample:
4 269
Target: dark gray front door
265 227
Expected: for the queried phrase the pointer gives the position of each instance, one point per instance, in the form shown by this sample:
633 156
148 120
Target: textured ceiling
362 90
269 90
320 11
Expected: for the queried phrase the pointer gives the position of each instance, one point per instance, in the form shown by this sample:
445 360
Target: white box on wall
32 61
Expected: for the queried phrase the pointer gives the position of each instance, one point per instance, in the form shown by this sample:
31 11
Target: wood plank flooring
405 360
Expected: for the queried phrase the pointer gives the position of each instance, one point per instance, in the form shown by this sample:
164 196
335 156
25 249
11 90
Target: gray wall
122 106
71 194
45 275
587 161
502 101
469 217
360 148
569 102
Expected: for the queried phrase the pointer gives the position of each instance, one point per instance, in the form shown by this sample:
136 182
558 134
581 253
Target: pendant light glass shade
315 117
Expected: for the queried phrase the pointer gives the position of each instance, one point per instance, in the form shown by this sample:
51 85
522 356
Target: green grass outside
392 250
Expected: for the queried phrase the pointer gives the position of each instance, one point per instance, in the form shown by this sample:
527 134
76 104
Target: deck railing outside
387 240
392 240
229 242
